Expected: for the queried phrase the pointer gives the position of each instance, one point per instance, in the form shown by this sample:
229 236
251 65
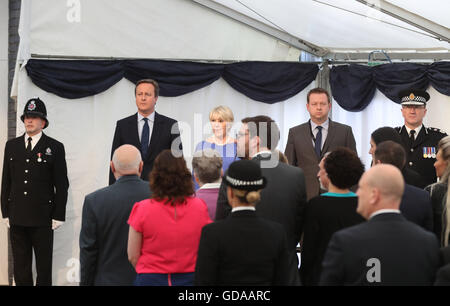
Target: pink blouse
170 234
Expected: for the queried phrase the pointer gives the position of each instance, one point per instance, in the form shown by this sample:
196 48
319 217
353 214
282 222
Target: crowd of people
246 212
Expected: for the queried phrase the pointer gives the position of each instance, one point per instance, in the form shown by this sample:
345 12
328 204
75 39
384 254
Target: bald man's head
381 187
126 161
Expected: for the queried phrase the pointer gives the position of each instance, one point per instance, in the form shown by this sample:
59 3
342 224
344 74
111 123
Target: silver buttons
25 193
25 182
410 163
27 160
412 150
26 171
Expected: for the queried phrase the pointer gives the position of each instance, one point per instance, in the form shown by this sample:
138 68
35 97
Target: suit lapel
331 132
154 140
133 128
306 138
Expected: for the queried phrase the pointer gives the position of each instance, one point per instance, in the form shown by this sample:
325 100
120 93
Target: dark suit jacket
443 276
416 207
324 216
104 232
283 201
300 151
243 249
161 139
34 190
407 254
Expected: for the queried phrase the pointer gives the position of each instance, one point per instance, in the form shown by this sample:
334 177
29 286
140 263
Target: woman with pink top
165 229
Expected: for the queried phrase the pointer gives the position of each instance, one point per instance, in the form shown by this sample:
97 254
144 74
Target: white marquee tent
331 31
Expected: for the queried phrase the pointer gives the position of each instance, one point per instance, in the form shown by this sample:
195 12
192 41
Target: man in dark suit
385 250
308 142
147 130
416 203
420 143
34 195
284 198
104 227
243 249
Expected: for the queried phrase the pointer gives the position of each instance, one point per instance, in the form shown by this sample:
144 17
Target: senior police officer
33 195
420 142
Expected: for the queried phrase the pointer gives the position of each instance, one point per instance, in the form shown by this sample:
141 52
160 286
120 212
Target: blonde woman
221 119
440 198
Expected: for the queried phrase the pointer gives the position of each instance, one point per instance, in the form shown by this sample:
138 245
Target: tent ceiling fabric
347 25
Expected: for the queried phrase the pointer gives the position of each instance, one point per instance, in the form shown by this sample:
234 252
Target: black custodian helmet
35 107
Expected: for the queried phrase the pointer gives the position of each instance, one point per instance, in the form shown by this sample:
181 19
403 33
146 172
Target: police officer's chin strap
55 223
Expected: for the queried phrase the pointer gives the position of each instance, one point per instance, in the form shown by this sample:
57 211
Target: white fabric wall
4 13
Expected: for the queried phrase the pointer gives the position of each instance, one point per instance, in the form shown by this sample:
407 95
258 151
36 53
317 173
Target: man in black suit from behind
284 198
416 203
385 250
147 130
104 228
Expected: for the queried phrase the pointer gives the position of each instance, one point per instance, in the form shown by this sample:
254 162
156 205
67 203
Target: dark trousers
25 239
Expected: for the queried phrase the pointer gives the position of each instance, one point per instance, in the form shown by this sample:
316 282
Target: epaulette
436 130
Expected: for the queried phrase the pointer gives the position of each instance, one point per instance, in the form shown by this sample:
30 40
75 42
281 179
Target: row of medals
429 152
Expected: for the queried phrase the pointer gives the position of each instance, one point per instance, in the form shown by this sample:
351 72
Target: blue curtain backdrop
353 86
267 82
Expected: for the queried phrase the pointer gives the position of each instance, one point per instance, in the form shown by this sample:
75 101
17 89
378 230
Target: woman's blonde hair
249 197
223 112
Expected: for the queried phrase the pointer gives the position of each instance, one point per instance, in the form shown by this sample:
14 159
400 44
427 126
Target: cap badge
32 106
48 151
412 96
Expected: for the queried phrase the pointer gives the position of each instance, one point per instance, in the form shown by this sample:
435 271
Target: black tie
144 138
29 145
411 138
318 141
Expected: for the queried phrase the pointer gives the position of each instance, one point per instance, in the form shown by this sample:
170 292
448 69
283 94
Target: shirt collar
34 139
323 125
240 208
384 211
262 153
151 117
210 185
417 129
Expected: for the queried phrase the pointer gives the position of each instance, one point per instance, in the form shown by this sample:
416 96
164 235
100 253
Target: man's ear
113 169
141 166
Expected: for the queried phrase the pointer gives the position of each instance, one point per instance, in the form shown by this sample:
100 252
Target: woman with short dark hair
331 211
165 229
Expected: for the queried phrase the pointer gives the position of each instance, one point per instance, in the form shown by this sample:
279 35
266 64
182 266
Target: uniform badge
48 151
433 152
39 157
412 96
32 106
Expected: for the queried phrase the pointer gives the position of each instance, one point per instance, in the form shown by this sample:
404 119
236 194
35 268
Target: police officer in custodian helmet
33 195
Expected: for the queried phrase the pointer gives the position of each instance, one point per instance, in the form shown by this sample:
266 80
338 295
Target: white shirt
416 129
324 131
384 211
211 185
240 208
34 139
262 152
141 122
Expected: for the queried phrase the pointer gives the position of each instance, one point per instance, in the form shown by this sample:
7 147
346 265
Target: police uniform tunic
421 155
34 185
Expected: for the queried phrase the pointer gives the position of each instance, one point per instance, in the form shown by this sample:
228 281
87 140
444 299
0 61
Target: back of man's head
390 152
126 161
265 128
388 182
207 165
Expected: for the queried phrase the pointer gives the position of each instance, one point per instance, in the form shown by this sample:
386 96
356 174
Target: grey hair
207 165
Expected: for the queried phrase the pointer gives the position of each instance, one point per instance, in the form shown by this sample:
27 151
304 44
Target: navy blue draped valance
353 86
267 82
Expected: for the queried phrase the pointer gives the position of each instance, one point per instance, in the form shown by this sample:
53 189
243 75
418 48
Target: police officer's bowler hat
35 107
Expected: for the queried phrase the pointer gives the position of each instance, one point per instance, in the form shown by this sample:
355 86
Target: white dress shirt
141 122
240 208
416 129
384 211
34 139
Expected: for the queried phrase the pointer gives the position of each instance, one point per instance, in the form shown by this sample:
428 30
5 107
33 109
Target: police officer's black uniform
34 191
421 153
